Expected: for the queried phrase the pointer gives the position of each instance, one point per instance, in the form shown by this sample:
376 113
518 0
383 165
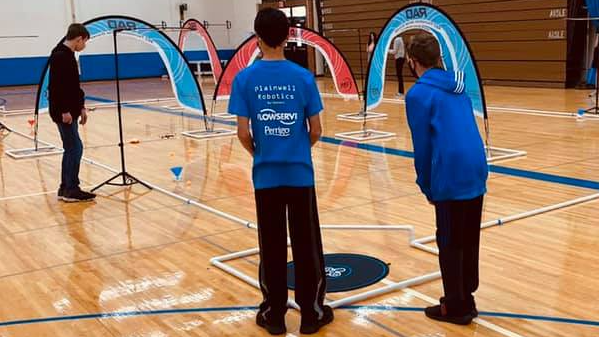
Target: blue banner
185 85
455 52
593 9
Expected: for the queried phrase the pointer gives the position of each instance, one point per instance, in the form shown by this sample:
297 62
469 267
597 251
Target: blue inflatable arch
185 85
456 52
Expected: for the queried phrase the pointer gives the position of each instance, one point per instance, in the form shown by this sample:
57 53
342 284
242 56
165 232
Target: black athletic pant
458 239
399 72
298 205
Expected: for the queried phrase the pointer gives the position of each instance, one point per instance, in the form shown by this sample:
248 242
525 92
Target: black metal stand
362 79
362 92
127 179
595 109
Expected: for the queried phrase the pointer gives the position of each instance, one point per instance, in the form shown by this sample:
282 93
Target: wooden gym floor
135 263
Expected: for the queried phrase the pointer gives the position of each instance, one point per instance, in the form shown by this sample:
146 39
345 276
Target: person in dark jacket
452 171
67 108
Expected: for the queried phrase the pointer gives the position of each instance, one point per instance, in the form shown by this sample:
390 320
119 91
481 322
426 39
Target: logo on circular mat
337 271
346 272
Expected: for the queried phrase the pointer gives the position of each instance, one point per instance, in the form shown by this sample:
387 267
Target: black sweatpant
298 205
399 72
458 239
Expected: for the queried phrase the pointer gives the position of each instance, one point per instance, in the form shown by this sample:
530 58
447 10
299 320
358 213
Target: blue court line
254 308
546 177
493 168
594 185
125 314
484 314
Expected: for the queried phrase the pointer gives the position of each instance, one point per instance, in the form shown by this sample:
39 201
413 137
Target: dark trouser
458 239
399 72
71 158
274 206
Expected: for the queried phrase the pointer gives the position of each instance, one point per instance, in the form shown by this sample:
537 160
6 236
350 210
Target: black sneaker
471 303
273 328
311 328
439 313
60 194
78 196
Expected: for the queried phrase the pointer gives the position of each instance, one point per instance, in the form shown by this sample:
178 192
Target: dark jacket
65 94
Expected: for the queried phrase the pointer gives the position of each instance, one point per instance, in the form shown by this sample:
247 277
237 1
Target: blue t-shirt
278 97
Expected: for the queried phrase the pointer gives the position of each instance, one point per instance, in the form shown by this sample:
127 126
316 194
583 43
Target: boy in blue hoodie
282 101
452 171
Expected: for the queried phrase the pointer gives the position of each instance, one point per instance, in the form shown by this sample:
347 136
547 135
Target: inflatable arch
456 53
185 85
194 26
344 79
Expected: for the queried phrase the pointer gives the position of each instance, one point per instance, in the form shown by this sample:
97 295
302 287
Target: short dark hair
272 26
425 49
76 30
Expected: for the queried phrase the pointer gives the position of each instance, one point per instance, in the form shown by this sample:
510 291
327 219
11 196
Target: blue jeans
71 159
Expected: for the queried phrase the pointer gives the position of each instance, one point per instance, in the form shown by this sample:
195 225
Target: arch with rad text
194 26
455 50
185 85
343 77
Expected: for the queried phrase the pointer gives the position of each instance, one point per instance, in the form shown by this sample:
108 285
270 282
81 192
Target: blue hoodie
449 154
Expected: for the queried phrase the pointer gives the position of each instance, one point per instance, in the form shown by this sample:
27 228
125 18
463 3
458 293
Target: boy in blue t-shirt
282 102
452 172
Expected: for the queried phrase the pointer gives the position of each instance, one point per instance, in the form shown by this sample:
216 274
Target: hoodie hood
452 82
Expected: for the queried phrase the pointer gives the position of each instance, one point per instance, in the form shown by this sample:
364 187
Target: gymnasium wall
21 60
516 42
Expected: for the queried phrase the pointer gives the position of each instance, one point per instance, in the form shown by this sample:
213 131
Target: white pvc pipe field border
509 154
391 286
421 243
417 243
219 262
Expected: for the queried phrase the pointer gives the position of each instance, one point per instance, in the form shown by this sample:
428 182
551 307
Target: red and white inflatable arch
193 26
344 79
